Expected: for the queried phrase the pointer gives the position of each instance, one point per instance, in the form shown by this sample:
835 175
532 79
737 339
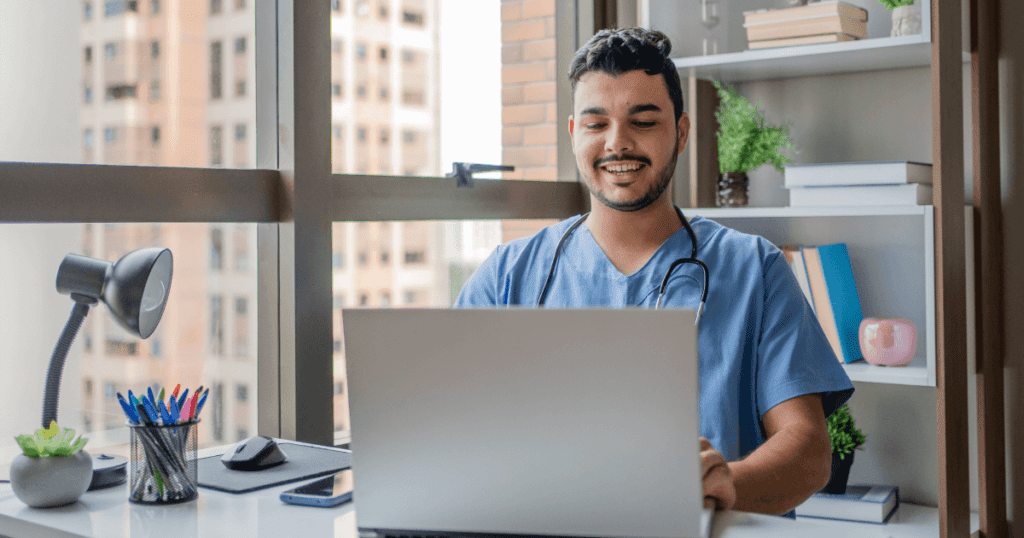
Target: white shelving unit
890 247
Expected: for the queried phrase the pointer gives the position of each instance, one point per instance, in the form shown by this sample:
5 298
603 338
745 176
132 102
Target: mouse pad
303 462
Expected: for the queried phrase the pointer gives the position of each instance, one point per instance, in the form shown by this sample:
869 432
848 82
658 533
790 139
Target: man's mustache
613 158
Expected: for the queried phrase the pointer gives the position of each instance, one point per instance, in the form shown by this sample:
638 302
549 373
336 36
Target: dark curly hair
618 51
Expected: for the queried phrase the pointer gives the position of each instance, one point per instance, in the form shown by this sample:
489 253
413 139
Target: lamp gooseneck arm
60 352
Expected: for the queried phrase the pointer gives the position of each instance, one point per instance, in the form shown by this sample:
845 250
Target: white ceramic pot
51 481
906 20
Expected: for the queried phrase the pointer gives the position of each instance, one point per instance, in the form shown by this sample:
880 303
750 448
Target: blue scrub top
759 342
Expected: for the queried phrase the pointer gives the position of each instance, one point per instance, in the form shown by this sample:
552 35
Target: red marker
176 389
192 406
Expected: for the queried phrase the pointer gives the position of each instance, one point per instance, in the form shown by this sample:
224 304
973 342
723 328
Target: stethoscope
664 283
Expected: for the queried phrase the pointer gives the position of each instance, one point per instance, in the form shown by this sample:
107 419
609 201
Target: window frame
293 197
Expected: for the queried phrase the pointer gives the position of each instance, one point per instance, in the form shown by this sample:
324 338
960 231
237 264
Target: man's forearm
781 473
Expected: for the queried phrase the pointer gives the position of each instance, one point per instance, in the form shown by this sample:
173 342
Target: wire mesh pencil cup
164 468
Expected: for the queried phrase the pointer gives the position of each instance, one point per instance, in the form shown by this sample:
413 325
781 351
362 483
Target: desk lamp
135 292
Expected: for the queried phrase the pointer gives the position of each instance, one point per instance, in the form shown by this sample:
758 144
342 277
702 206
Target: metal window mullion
304 247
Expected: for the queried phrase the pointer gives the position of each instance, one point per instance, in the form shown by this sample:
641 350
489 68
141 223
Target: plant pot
906 20
732 189
840 474
51 481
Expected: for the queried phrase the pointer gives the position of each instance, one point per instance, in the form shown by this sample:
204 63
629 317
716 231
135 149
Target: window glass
421 264
128 65
206 336
409 70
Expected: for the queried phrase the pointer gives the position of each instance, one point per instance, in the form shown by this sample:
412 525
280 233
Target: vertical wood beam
988 263
702 103
950 269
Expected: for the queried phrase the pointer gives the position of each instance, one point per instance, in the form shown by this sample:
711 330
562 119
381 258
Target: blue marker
175 414
199 407
181 401
132 399
128 410
163 412
150 410
149 390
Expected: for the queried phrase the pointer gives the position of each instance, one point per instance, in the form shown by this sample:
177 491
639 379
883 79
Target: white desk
108 514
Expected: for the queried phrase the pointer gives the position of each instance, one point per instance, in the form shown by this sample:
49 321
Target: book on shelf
805 27
795 259
873 195
836 301
805 40
860 173
816 9
861 503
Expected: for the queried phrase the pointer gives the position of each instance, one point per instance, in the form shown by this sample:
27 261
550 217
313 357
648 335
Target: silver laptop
525 422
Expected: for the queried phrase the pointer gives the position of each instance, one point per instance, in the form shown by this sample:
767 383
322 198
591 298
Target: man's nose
618 139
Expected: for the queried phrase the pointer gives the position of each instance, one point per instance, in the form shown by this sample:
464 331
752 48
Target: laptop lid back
525 421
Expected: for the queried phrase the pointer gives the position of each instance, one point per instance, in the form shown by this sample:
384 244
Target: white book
864 173
873 195
871 504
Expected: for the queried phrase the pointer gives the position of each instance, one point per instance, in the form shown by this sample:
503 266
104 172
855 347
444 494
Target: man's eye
594 125
646 123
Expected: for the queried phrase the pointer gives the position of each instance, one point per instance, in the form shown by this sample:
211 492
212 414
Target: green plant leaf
843 432
28 445
745 142
52 441
893 4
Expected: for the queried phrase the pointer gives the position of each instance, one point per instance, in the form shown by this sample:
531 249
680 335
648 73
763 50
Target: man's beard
653 193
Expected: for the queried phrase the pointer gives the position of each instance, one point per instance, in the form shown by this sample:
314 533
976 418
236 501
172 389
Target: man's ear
572 126
683 130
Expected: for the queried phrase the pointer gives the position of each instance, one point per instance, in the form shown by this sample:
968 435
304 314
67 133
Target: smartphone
330 491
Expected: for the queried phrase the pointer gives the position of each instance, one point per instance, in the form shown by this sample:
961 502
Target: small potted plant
845 439
906 16
745 142
53 470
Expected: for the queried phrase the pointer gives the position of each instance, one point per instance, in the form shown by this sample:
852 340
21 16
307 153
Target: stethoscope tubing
664 283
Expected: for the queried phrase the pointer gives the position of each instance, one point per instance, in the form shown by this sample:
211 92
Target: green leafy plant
744 141
844 433
893 4
51 442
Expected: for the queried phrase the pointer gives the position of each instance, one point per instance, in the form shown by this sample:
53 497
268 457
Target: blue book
842 295
862 503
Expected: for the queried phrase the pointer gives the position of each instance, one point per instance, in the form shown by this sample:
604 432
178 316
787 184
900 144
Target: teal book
842 295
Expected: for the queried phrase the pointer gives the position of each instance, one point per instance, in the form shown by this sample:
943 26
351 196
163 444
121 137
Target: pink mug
888 342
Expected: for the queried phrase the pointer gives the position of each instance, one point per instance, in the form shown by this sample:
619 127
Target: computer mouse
254 454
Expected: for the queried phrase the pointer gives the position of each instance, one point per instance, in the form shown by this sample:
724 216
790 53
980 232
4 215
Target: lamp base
108 470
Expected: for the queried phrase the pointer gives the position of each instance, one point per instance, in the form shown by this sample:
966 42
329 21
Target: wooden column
988 263
950 277
702 103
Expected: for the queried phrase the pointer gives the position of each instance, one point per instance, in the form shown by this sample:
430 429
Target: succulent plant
893 4
50 442
844 433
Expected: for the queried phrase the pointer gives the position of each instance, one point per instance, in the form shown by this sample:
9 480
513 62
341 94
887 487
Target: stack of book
859 184
869 504
829 21
825 275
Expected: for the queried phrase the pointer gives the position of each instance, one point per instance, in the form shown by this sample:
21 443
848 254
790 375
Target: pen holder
164 469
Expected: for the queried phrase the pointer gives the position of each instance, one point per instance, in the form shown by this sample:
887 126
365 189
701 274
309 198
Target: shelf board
819 211
915 373
806 60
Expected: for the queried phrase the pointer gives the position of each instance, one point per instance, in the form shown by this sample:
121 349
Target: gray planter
54 481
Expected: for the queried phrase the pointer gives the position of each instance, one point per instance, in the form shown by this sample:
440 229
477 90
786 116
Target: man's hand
719 490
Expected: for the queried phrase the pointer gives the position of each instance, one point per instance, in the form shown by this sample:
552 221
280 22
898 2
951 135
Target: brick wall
528 75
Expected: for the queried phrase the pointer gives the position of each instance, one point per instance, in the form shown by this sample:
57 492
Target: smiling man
768 375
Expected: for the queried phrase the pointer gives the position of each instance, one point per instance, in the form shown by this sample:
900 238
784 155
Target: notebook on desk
525 422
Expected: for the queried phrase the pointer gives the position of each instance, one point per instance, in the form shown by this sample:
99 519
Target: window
88 55
384 93
110 390
239 5
408 56
239 88
113 8
384 257
361 134
339 301
110 50
87 389
335 5
339 387
338 260
154 135
87 94
240 45
362 258
241 393
337 346
385 135
382 11
216 249
87 11
110 135
154 90
335 46
383 54
118 92
336 89
216 147
363 299
241 248
217 407
409 296
215 70
409 137
361 91
154 7
360 51
412 17
240 132
217 325
385 299
415 256
215 7
155 347
154 49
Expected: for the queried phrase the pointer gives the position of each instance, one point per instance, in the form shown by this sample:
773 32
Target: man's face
625 137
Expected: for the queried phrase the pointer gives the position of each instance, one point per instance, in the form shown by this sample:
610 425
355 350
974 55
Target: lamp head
134 289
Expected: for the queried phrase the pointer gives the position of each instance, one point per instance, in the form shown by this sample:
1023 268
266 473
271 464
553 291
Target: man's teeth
621 168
